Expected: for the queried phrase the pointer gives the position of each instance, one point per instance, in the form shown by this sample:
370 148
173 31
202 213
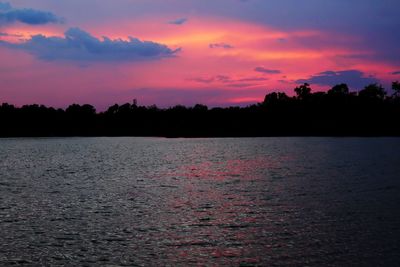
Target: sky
169 52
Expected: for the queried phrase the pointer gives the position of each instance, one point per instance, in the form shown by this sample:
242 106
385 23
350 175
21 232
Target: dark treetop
339 112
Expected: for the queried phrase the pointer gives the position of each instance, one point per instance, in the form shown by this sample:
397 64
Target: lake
179 202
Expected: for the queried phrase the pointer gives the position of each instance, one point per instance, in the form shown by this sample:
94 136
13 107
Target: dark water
180 202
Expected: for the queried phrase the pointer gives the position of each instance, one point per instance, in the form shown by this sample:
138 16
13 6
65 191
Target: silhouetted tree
396 88
318 97
5 107
113 109
283 97
337 112
303 91
78 110
339 90
200 107
373 92
271 99
275 98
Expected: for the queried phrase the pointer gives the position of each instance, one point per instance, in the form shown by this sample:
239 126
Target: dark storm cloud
221 45
178 21
267 71
8 14
78 45
396 73
353 78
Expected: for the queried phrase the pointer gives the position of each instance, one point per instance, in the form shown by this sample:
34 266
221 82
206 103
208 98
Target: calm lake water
180 202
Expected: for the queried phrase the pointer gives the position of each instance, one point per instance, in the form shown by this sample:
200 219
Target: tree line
337 112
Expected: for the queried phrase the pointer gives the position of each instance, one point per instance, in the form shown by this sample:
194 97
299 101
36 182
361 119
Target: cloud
203 80
284 81
267 71
221 45
253 79
10 34
353 78
396 73
178 21
8 14
5 6
241 85
217 78
223 78
78 45
242 82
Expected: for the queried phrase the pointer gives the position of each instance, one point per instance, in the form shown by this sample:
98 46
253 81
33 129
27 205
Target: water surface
179 202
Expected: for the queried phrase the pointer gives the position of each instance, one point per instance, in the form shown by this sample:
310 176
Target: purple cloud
253 79
353 78
178 21
11 35
243 82
78 45
8 14
217 78
5 6
267 71
221 45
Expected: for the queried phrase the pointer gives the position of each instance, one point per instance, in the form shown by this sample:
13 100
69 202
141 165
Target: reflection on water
240 202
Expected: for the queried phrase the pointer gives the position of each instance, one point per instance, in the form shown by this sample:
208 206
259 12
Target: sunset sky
168 52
